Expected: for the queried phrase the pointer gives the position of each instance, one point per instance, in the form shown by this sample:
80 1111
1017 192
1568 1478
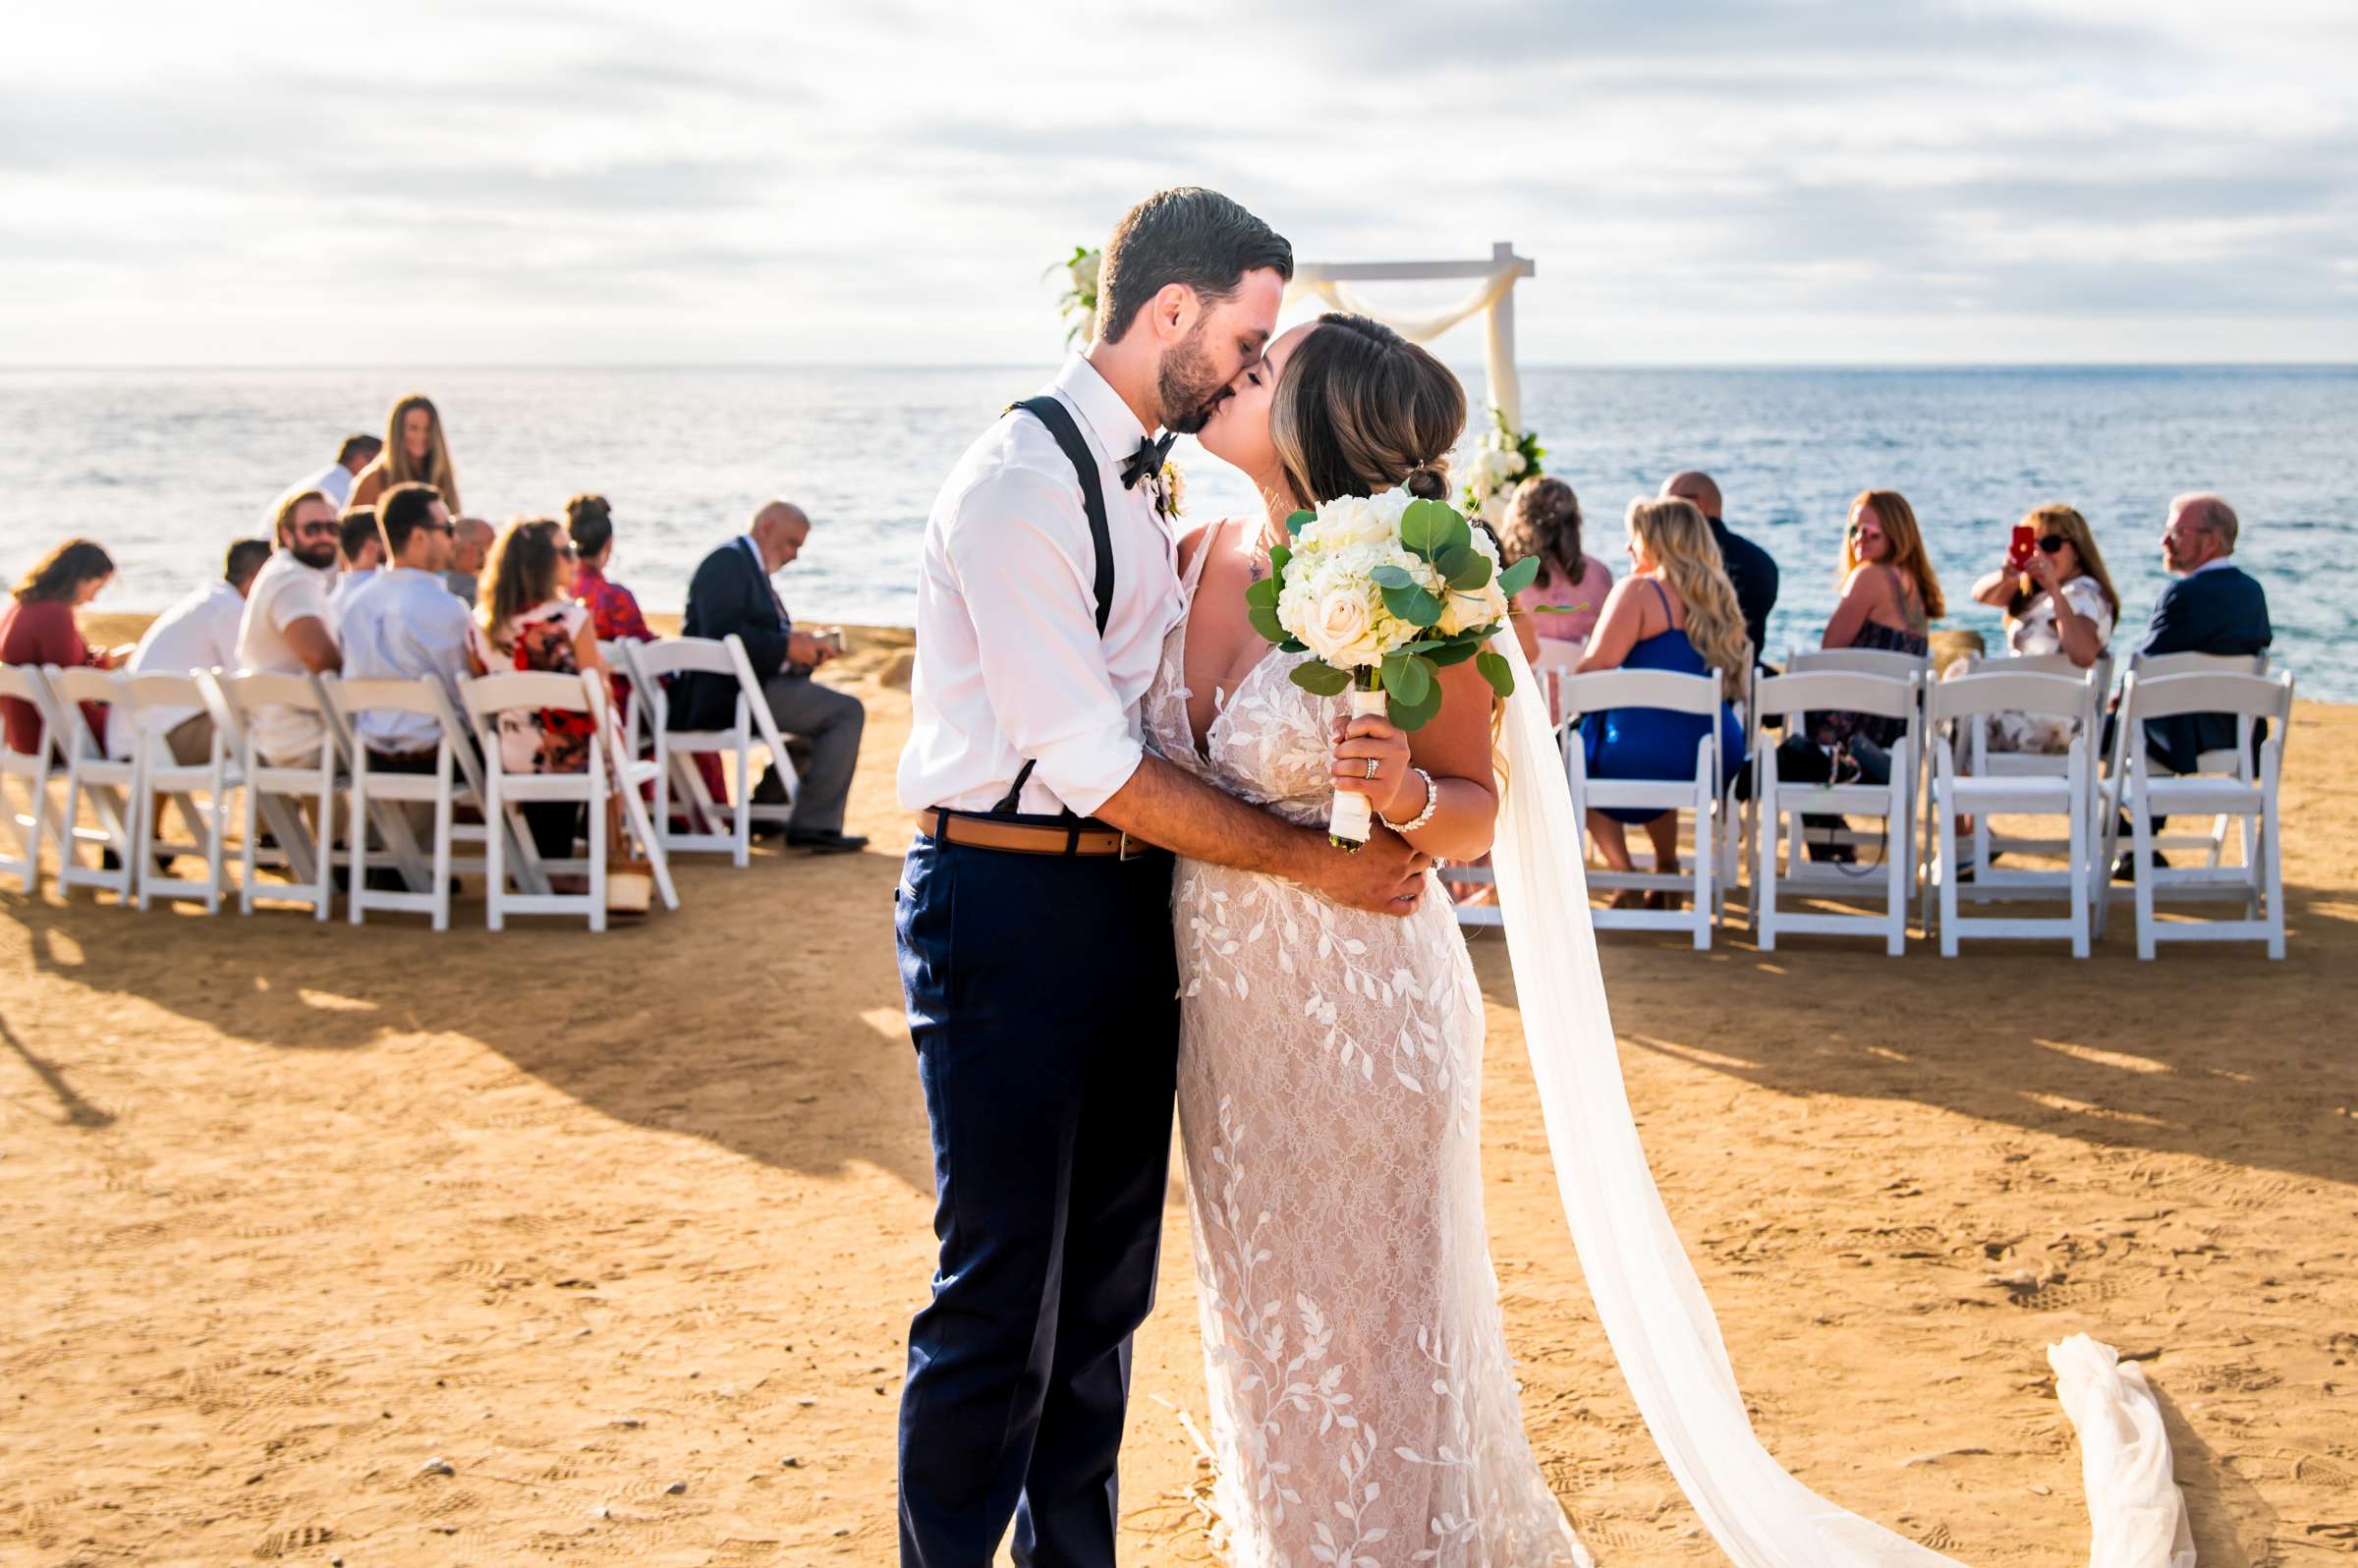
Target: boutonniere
1171 490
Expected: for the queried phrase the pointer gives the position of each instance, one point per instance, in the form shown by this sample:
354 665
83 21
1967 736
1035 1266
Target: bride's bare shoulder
1196 538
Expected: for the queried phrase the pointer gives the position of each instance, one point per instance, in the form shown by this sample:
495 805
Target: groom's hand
1386 875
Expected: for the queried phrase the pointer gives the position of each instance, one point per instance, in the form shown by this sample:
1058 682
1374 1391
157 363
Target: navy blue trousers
1043 998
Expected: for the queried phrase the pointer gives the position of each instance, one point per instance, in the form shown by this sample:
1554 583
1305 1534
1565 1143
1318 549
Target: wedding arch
1493 296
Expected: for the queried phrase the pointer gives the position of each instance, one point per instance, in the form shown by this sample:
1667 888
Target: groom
1034 916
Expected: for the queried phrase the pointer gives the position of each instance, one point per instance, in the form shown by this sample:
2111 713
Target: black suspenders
1051 413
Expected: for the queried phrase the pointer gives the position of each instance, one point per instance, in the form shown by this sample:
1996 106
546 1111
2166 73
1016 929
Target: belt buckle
1125 853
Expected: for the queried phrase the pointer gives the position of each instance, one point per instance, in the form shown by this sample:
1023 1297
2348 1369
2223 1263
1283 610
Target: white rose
1463 612
1516 463
1350 519
1341 628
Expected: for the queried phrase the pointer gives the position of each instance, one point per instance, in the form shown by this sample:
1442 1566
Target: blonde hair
1678 541
2062 522
519 574
398 468
1898 519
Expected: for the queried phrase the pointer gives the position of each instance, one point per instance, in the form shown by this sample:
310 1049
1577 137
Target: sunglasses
2049 543
325 530
569 552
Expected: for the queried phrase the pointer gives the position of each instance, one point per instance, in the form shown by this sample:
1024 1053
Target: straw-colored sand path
322 1243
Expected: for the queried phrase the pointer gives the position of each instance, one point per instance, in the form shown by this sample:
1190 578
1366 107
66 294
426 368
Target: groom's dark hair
1185 235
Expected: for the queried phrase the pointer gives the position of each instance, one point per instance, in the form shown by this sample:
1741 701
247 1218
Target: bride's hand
1396 792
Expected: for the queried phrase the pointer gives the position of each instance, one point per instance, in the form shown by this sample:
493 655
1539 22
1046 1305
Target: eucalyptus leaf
1456 532
1320 678
1278 556
1299 520
1496 670
1425 527
1293 645
1442 655
1408 678
1466 567
1413 604
1261 594
1264 621
1413 716
1518 576
1390 576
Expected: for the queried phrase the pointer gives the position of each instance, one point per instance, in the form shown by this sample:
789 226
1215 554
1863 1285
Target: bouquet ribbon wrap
1353 820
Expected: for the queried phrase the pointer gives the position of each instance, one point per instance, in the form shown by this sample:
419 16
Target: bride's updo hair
1360 408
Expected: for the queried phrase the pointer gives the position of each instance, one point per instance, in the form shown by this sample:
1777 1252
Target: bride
1363 1407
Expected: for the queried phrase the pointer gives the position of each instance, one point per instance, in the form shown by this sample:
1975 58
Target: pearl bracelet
1432 800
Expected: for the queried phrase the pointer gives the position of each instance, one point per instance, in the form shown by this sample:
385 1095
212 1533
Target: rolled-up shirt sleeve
1026 570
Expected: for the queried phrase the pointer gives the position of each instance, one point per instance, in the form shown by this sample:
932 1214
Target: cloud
609 182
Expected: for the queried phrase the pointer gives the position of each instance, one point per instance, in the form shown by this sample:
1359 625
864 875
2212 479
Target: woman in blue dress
1675 611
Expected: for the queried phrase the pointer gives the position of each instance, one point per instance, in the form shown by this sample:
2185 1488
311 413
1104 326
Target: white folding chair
36 768
1985 763
441 791
277 794
1699 794
108 784
1781 805
2225 788
486 698
649 664
1890 665
1949 706
2213 845
153 701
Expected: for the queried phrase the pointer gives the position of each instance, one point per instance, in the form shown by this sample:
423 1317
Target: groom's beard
1187 386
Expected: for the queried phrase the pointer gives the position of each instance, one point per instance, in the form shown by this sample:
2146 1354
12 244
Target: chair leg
597 858
1895 879
2079 881
143 843
1705 852
1946 870
2267 835
1764 876
323 855
356 895
744 805
246 832
495 855
2141 845
442 814
216 813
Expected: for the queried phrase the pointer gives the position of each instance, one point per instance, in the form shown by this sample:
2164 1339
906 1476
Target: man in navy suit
2213 607
1751 570
731 593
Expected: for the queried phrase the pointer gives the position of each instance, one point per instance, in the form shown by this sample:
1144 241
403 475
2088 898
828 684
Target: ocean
165 467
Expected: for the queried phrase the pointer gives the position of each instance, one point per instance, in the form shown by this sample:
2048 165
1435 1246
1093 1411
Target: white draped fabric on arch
1492 296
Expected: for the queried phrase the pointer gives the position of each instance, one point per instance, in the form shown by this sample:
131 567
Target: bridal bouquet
1385 590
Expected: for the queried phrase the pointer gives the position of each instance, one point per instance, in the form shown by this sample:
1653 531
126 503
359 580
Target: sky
520 182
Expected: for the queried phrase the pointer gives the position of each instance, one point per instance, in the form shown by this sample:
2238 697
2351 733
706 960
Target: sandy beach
386 1247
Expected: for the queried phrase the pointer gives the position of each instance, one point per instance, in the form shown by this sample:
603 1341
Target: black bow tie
1148 459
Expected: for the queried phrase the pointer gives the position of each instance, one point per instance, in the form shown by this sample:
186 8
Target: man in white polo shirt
404 624
200 632
286 627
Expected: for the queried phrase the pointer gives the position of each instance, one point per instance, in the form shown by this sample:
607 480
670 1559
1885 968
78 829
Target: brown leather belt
1028 838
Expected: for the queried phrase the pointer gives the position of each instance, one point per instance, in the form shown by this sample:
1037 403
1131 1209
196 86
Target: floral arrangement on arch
1502 459
1078 303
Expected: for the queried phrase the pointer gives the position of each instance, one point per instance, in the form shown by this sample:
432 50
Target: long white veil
1648 1297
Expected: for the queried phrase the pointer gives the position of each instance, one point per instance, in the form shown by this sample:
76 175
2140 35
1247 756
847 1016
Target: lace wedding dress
1364 1410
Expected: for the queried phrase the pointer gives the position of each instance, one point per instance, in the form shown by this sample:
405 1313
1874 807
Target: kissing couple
1122 897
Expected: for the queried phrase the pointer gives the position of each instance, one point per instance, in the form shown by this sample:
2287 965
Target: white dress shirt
402 625
340 592
1009 663
198 632
333 482
284 591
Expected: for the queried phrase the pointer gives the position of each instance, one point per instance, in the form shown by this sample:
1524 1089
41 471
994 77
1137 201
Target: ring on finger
1370 768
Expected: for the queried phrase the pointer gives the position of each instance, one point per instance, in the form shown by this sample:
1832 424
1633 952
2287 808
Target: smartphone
2025 544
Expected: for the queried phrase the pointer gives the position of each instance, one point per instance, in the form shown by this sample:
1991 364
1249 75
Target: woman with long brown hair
414 452
38 625
1546 521
528 620
1676 611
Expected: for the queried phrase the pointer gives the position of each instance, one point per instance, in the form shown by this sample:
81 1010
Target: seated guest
414 452
359 551
2064 603
1675 611
38 625
1545 520
2212 607
528 620
470 542
404 624
614 610
731 593
1889 599
335 480
1750 569
286 627
198 632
